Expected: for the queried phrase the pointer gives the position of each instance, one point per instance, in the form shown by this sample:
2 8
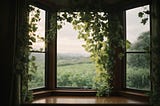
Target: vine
23 61
94 29
154 77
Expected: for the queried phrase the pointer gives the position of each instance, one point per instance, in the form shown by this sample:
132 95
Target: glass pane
38 76
39 45
137 34
74 67
138 71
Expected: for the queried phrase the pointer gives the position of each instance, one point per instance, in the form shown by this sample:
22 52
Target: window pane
137 33
39 45
38 77
138 71
74 67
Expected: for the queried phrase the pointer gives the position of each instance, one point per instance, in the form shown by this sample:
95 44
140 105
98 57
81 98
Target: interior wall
7 27
155 33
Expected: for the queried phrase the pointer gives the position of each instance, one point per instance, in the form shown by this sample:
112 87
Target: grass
75 71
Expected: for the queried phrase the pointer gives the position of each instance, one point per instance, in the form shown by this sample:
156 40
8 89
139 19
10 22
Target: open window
38 51
138 49
69 66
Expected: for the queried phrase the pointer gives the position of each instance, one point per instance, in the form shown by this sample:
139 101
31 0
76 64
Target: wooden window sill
82 92
64 92
134 95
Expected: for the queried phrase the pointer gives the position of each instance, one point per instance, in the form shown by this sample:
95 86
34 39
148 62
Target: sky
67 41
134 25
40 31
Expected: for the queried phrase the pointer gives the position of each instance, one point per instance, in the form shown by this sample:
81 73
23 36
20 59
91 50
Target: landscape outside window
137 50
38 52
74 67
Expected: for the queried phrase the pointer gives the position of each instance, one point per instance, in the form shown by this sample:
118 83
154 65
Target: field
72 71
75 71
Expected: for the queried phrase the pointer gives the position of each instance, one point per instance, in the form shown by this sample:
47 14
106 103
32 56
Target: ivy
144 15
93 28
101 42
23 61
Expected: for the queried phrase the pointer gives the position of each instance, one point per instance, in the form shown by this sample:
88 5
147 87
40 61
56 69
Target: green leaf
33 39
144 21
59 27
33 58
69 19
147 12
140 14
128 44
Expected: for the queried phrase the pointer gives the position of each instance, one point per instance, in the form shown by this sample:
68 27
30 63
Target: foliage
69 76
138 65
94 30
144 15
52 31
138 78
92 27
37 78
142 44
25 38
137 75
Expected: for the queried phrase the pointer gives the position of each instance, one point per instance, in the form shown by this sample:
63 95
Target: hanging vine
93 28
23 61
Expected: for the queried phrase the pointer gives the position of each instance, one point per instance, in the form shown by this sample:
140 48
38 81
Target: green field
75 71
72 71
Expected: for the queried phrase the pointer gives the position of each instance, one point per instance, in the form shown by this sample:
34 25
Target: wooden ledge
74 92
135 95
64 92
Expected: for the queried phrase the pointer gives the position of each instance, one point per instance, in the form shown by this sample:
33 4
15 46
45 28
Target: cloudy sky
40 31
67 41
67 36
134 27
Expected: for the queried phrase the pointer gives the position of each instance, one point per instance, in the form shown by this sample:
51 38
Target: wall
7 27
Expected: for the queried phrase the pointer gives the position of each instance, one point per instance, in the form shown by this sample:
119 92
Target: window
74 67
137 50
38 52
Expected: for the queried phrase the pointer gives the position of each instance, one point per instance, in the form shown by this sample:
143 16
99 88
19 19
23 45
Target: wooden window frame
45 51
51 66
134 52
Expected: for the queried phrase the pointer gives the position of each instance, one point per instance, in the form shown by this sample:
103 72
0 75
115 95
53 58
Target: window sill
75 92
64 92
142 96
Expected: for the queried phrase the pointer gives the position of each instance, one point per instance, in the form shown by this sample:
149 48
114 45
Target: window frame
51 56
45 49
125 88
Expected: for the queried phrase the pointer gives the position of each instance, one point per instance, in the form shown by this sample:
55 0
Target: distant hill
70 59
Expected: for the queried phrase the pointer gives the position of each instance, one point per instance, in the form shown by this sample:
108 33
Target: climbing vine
93 28
25 38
